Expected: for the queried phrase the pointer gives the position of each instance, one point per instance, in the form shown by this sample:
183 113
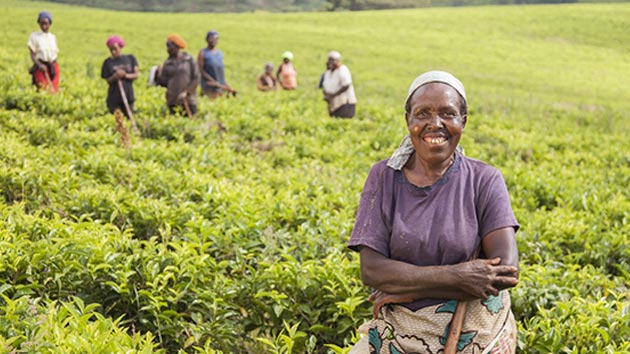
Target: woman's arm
132 75
330 96
36 61
194 76
259 84
475 279
501 243
204 75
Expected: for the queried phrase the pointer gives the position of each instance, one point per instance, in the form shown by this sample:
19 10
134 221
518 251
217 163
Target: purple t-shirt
436 225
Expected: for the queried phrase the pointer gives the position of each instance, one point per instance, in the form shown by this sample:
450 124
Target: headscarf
211 33
115 40
406 149
437 76
44 14
177 40
334 55
287 55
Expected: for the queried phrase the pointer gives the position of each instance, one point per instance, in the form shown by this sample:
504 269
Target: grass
204 238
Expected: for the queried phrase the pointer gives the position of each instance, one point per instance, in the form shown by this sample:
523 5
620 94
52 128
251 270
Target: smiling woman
424 215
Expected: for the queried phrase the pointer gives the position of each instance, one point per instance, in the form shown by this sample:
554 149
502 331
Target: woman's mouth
435 140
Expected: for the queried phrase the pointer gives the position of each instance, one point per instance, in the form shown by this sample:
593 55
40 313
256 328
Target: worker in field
119 71
286 74
266 81
436 236
212 69
42 46
337 87
180 75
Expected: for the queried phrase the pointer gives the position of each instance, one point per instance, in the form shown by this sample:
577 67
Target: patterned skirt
489 328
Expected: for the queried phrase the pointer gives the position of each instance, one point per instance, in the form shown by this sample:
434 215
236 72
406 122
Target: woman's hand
484 277
381 299
120 74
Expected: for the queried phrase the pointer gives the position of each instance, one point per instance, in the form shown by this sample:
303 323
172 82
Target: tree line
289 5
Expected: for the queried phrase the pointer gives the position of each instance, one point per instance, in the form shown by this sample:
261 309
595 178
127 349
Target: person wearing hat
210 61
286 74
42 46
337 87
123 68
435 230
180 75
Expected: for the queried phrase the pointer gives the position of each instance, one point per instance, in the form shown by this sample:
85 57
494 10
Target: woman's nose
435 121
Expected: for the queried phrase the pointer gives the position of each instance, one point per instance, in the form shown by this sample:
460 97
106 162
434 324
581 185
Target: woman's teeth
435 140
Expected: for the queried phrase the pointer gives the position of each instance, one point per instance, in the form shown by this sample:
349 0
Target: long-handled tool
50 87
227 88
187 108
456 328
457 322
127 107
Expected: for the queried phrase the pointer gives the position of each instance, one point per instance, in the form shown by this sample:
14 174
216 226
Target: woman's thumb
495 260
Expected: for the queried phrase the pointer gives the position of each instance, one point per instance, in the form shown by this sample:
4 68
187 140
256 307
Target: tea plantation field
226 233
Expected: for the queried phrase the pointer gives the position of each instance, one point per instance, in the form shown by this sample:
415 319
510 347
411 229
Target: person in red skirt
42 46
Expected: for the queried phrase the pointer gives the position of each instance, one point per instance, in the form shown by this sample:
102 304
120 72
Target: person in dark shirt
119 71
180 75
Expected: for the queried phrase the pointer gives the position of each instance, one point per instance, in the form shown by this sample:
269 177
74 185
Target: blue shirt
213 66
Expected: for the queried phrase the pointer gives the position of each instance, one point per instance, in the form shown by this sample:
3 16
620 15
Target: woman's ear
464 120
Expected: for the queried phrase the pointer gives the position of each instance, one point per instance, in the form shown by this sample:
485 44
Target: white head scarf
405 150
334 55
437 76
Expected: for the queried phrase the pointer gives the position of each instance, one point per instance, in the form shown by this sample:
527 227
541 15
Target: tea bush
226 233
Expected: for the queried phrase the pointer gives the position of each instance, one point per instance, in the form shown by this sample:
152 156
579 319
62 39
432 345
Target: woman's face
171 48
212 40
44 24
434 121
332 63
115 50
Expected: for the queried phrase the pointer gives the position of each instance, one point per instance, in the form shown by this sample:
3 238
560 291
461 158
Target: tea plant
226 233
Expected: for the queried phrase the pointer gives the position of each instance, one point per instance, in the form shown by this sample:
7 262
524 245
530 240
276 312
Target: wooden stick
50 88
456 328
457 322
187 107
127 107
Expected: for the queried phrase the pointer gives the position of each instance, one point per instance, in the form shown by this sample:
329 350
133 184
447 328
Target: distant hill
290 5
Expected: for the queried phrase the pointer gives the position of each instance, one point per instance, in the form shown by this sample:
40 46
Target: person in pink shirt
287 75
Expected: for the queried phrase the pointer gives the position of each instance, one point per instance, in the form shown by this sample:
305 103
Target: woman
286 74
119 71
180 75
266 81
42 46
338 89
424 214
210 61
